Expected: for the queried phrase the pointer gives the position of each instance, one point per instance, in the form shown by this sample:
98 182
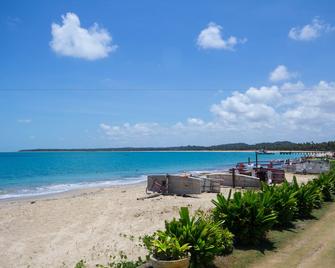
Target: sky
103 73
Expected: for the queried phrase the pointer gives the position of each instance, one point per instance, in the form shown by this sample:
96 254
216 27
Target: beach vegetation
283 201
80 264
244 219
204 238
162 246
245 215
326 183
308 197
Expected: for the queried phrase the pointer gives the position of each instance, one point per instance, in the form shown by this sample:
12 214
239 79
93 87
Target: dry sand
90 224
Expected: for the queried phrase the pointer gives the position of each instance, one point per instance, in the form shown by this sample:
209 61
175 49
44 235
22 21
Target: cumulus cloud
211 38
310 31
313 109
254 107
293 86
71 39
281 73
290 110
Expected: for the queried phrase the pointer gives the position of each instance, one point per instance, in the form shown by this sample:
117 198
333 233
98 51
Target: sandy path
312 247
59 231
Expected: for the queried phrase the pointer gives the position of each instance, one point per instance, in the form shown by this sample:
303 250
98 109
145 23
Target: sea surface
25 174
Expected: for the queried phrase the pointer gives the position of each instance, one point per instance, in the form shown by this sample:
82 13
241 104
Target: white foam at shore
61 188
66 187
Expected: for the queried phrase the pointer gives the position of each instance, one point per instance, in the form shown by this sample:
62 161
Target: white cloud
293 86
211 38
70 39
310 31
281 73
195 121
129 130
290 111
24 121
253 107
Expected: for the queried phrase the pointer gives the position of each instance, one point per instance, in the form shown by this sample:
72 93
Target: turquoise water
38 173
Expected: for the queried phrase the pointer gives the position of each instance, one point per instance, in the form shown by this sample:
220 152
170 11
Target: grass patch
276 239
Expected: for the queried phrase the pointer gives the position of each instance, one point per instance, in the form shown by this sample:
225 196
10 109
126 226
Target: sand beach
90 224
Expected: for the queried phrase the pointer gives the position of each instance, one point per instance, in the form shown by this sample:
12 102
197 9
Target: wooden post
233 177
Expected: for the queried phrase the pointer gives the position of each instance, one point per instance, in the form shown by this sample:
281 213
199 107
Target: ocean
25 174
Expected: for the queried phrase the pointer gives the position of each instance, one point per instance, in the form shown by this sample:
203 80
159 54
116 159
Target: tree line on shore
275 146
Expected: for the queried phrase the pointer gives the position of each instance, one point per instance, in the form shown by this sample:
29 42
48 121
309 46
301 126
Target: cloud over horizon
72 40
277 111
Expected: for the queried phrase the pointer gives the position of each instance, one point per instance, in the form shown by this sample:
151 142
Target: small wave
62 188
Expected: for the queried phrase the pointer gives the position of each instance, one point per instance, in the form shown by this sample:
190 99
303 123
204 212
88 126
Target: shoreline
164 151
89 224
85 186
51 189
69 193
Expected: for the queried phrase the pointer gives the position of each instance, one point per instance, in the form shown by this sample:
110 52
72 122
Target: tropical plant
80 264
308 197
245 215
204 237
165 247
283 201
325 182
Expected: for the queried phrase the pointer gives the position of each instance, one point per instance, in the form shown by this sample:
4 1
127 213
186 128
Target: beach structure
174 184
308 166
268 171
235 180
183 184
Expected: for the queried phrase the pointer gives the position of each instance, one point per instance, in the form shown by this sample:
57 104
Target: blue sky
159 73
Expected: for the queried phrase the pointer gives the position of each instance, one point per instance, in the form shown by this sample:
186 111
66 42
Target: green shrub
205 238
308 197
331 175
325 182
245 215
283 201
332 164
165 247
80 264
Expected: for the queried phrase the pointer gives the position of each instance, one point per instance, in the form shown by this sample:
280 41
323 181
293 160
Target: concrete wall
311 167
244 181
175 184
184 185
210 185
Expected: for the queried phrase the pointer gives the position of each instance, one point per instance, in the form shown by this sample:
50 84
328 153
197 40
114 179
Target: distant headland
272 146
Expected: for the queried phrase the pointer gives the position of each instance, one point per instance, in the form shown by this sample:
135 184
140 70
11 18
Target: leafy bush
331 178
165 247
283 201
325 182
308 197
80 264
204 237
245 215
